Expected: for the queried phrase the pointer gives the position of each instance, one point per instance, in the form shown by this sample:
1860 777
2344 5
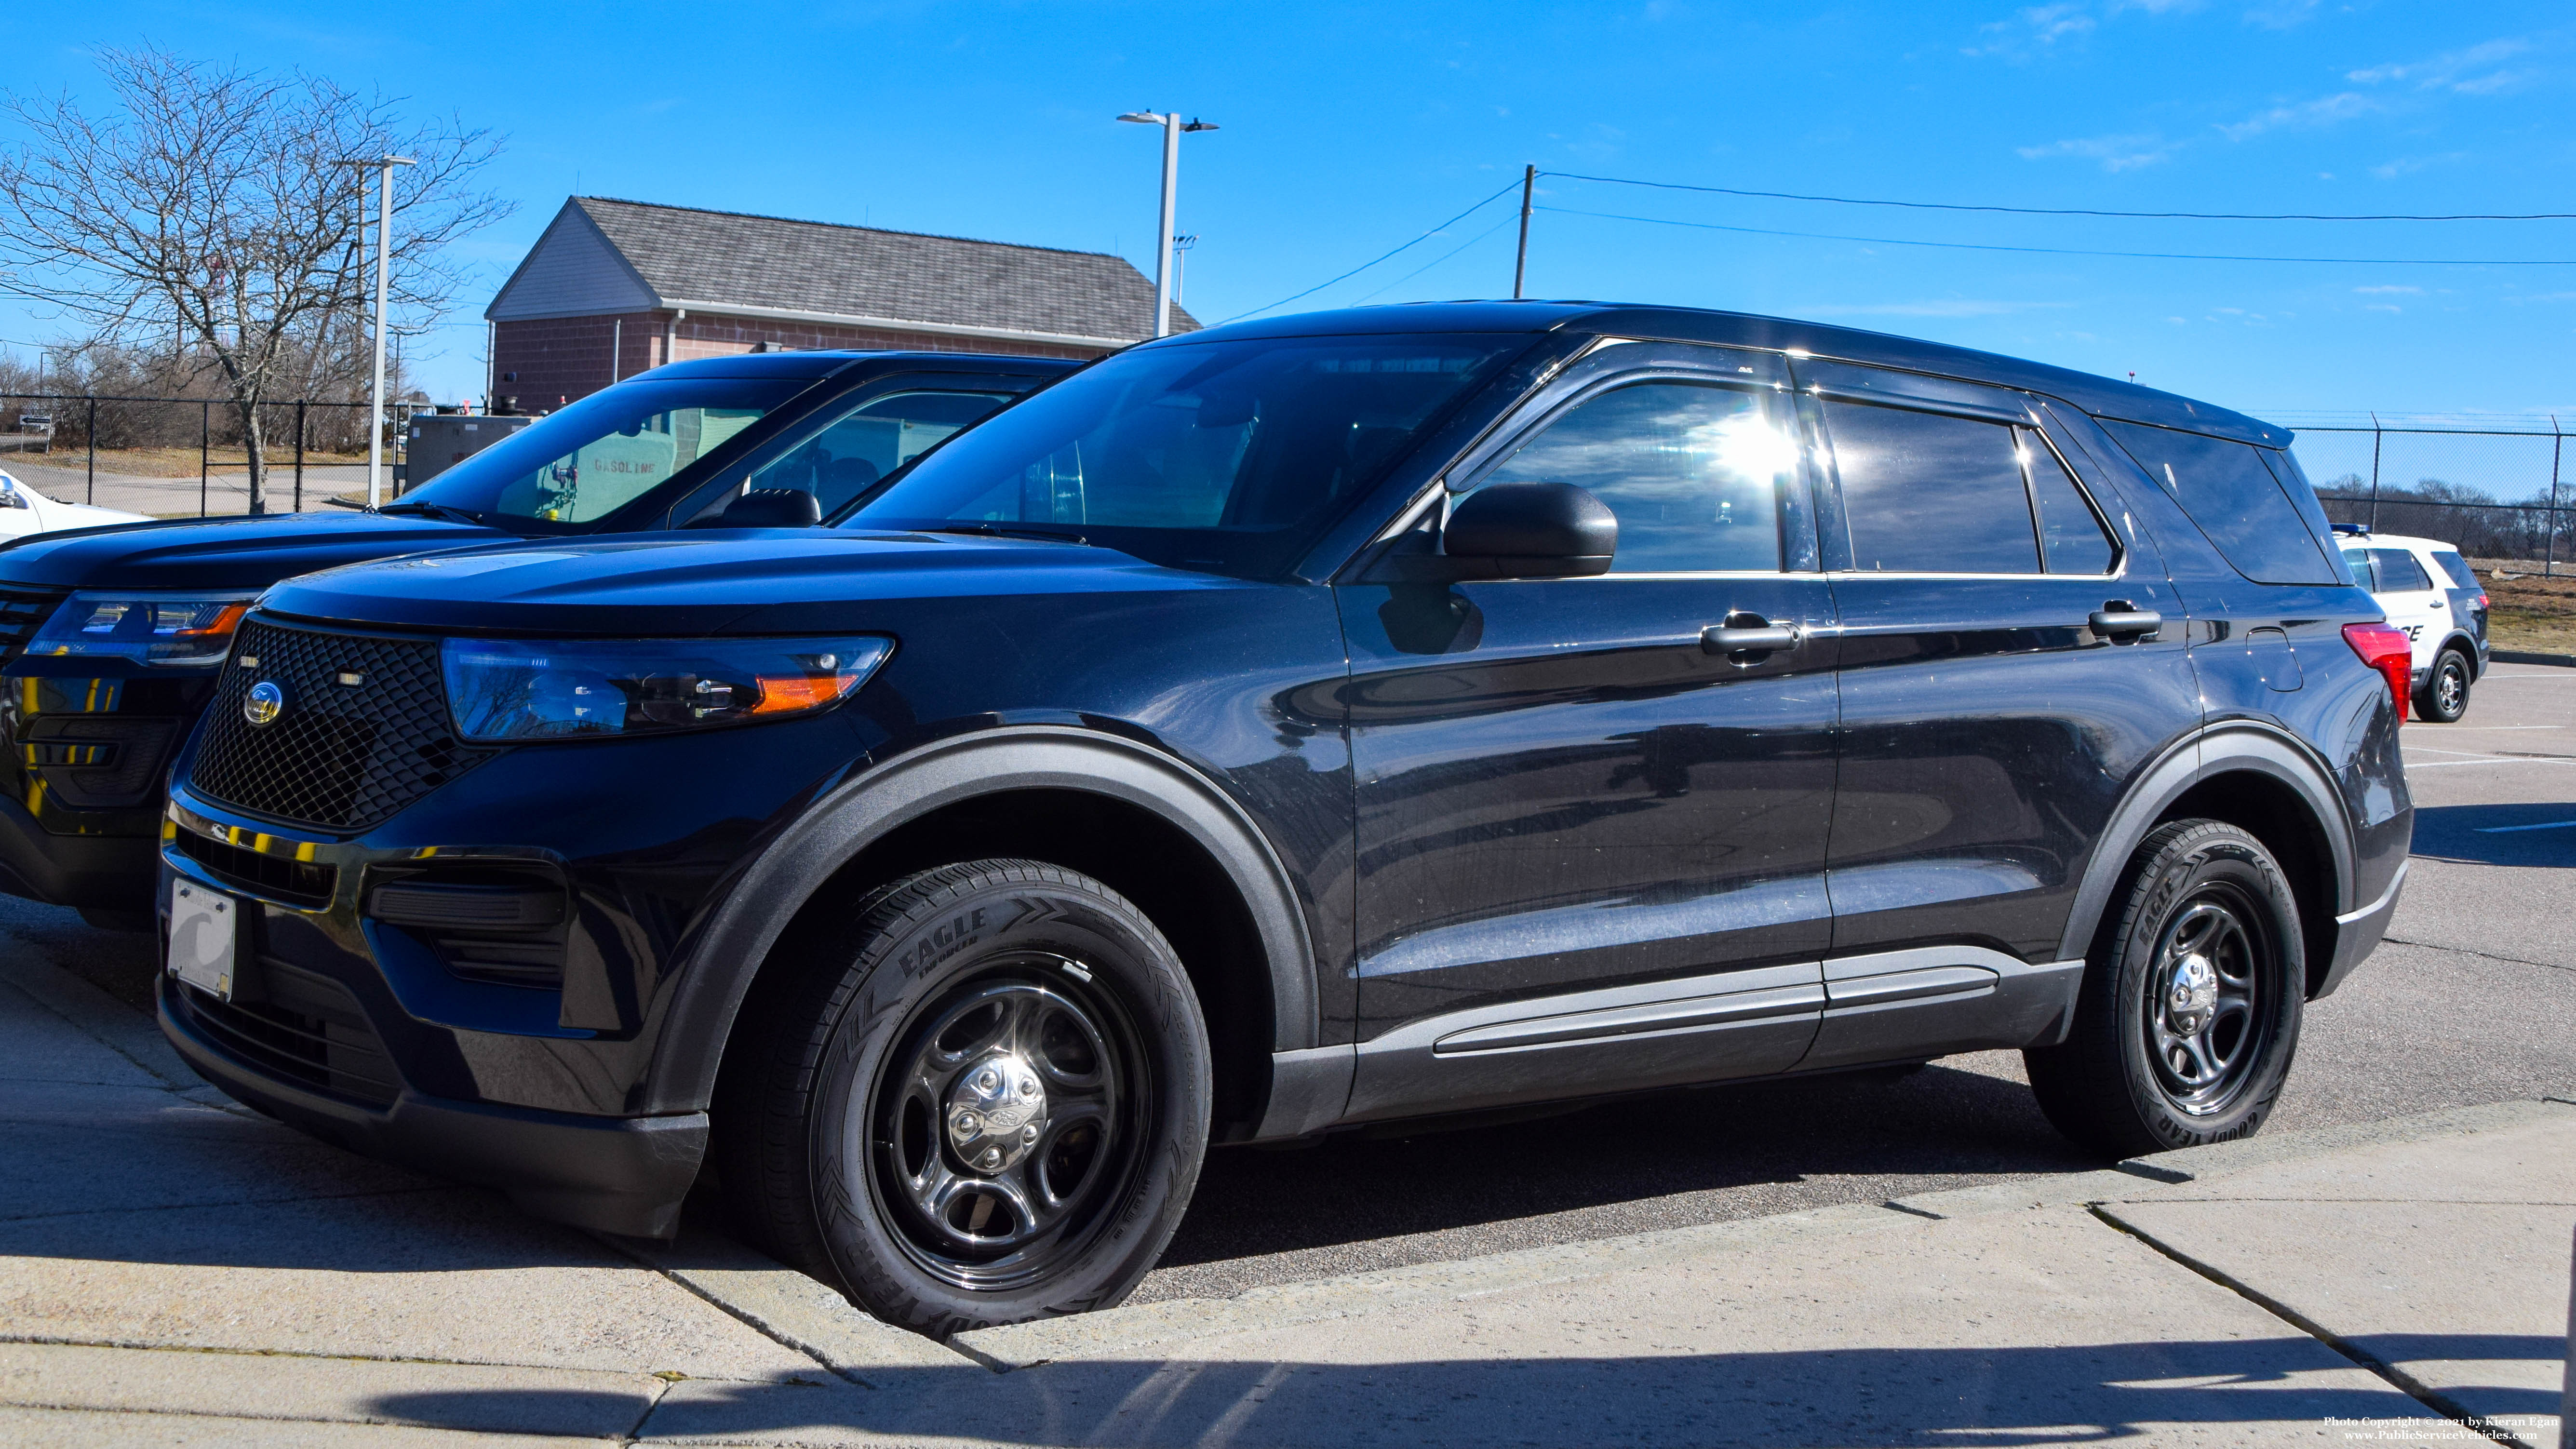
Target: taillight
2387 649
2482 601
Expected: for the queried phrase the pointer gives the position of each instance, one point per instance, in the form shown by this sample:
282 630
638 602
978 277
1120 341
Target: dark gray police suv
111 639
1293 725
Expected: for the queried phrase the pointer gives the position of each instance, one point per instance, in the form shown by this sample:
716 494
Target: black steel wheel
983 1100
2189 1013
2445 696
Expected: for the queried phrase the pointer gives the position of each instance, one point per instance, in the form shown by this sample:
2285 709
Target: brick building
615 287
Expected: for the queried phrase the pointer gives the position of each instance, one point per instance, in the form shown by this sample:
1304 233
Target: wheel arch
895 814
2261 780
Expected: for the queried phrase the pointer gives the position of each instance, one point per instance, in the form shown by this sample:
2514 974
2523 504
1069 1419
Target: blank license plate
204 934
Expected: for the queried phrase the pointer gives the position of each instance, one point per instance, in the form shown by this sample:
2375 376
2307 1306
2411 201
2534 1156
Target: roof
2103 397
601 255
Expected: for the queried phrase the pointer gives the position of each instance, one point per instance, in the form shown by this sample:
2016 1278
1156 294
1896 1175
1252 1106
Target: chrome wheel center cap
2193 994
996 1112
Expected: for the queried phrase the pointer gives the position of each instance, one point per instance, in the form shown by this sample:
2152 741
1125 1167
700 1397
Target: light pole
384 269
1181 267
1173 126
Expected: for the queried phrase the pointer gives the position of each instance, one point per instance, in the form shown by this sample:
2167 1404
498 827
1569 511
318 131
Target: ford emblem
264 703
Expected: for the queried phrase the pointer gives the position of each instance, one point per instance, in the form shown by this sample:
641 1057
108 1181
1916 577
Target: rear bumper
614 1174
102 872
2359 934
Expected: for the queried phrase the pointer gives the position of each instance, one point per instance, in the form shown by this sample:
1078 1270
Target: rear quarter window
2231 493
2457 567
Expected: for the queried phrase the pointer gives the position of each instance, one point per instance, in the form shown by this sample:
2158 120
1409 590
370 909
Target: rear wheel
985 1100
2189 1014
2445 696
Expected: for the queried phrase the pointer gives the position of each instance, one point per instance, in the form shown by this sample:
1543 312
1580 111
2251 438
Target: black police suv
1291 725
111 639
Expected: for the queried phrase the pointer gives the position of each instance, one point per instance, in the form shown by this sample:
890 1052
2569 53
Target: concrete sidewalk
176 1270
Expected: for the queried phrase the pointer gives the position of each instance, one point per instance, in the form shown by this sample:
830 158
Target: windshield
1223 456
603 452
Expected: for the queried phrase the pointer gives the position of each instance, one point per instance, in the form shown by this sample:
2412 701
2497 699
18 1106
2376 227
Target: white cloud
2409 165
2381 307
2323 111
2281 14
2115 153
2451 70
2390 291
2034 30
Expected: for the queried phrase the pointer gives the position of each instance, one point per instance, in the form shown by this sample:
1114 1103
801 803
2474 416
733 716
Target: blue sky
1349 128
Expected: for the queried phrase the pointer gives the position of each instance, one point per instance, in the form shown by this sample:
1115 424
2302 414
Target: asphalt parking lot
2472 1001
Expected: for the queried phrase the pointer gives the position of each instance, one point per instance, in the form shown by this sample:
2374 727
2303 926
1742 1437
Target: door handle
1754 636
2119 619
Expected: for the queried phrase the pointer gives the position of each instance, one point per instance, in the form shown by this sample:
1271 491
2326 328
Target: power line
2066 251
1373 261
1513 216
2065 211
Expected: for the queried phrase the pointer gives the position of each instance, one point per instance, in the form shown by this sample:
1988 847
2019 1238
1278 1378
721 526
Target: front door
1989 727
1591 850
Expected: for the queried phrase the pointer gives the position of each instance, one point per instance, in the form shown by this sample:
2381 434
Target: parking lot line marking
2496 760
2430 750
2448 728
2509 829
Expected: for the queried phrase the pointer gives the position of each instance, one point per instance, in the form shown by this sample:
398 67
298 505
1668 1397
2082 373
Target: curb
1118 1330
791 1307
2520 656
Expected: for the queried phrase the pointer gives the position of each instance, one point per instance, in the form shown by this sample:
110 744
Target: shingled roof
601 255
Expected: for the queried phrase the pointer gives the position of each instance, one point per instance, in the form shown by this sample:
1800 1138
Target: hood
708 582
224 553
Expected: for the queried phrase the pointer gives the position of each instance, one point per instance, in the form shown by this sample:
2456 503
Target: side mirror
1529 531
772 508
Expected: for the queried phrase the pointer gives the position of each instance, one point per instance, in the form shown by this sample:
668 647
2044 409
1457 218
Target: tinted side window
2069 530
1931 493
2358 560
872 440
2232 495
2457 567
1694 473
2399 573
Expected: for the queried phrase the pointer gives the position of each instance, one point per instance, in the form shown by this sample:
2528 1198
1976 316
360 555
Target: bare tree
208 211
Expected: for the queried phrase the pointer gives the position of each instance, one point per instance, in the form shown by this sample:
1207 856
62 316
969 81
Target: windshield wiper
434 510
995 530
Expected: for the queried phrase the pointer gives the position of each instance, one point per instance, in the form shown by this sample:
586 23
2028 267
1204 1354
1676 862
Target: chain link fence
172 456
2496 492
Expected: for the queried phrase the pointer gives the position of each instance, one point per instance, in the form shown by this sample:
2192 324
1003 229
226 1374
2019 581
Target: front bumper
614 1174
101 872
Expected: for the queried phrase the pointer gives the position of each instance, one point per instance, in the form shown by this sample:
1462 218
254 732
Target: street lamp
1173 126
384 268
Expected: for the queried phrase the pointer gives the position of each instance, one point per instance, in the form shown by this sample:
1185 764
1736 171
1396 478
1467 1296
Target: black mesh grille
22 612
341 755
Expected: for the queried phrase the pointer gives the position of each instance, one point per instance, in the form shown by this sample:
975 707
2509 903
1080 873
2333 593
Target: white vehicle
2429 591
25 511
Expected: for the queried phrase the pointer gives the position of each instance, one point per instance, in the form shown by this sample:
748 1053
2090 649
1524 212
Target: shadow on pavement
1945 1396
2488 834
1936 1122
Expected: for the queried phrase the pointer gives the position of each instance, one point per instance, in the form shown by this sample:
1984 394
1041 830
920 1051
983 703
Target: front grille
23 611
309 1031
342 756
102 762
297 882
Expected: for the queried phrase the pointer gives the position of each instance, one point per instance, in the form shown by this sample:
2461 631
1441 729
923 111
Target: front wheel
2445 696
2189 1013
983 1100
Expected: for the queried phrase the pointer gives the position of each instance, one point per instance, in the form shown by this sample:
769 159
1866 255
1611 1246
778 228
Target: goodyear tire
2190 1008
981 1098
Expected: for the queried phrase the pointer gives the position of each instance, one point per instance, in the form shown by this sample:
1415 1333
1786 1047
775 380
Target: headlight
509 689
173 630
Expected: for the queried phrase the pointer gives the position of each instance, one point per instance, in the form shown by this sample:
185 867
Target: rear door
1988 729
2415 603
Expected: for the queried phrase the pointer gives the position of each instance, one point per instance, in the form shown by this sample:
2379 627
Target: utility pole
384 273
1173 126
1520 259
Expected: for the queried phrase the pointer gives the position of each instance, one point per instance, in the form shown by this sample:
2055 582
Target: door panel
1988 731
1560 788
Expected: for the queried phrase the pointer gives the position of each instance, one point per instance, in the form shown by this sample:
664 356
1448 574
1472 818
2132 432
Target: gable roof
602 255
